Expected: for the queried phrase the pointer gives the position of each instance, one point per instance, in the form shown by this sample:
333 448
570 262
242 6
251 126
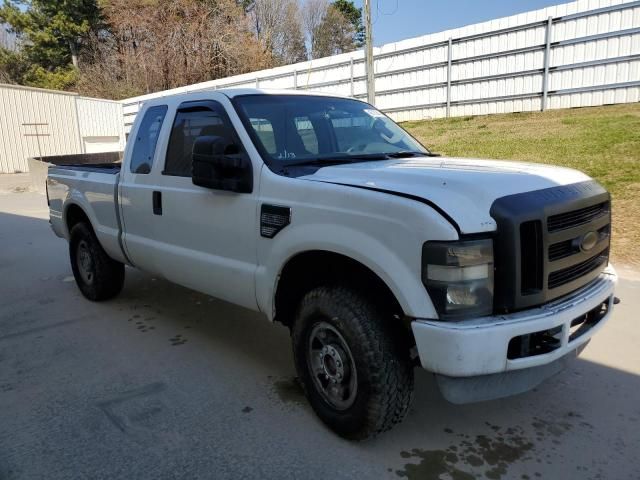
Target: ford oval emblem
588 241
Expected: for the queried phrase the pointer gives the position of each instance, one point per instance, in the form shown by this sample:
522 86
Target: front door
206 239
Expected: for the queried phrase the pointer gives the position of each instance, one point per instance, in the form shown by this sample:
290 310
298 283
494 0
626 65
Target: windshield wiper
338 159
408 154
363 157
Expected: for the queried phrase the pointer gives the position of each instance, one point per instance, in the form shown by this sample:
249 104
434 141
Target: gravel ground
163 382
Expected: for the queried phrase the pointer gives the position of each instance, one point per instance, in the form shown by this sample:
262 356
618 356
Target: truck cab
322 214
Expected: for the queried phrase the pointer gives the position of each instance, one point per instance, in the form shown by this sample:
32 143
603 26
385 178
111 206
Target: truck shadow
191 315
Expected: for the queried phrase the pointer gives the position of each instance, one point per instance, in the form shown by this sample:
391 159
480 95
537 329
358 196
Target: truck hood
464 188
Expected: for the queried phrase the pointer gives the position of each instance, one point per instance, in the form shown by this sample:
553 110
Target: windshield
297 129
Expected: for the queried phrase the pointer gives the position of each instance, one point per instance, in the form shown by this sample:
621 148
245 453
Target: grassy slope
604 142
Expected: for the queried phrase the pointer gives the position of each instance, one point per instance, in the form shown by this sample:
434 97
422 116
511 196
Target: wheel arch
74 214
313 268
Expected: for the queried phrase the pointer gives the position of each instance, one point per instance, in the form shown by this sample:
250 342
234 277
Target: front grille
532 249
549 243
577 217
569 274
562 249
570 247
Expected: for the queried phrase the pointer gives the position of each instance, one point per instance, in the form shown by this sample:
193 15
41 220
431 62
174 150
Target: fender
107 236
402 279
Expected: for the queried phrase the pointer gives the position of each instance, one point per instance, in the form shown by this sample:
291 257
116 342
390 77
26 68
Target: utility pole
368 53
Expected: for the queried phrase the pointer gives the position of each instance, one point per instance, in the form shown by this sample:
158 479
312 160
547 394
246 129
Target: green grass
603 142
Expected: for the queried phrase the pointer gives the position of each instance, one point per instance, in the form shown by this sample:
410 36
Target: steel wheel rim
84 262
331 366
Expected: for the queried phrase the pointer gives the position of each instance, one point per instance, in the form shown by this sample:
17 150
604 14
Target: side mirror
219 165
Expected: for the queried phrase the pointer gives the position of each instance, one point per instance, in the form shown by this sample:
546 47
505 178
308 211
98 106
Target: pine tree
52 34
354 15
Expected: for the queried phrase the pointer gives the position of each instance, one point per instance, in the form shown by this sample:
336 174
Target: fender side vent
273 218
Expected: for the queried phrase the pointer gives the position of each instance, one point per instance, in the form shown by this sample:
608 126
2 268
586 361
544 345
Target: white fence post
80 139
449 47
351 75
295 79
547 54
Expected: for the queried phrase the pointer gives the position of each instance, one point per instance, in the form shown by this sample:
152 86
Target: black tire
101 278
379 351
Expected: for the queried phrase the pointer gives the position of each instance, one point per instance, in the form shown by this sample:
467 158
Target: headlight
459 277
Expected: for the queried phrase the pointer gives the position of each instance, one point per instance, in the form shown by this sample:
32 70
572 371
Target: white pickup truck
323 214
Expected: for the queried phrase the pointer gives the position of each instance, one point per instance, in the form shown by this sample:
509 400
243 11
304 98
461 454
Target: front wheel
97 275
352 361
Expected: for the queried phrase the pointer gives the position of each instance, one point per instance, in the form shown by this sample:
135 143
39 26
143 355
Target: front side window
146 139
190 124
290 129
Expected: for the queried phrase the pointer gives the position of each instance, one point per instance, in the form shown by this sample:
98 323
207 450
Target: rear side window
146 139
187 127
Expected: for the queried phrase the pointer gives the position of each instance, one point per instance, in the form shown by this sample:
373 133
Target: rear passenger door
136 187
206 238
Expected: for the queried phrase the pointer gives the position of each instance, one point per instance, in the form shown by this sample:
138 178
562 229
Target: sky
395 20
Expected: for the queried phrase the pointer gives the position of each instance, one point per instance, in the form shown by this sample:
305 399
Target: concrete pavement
163 382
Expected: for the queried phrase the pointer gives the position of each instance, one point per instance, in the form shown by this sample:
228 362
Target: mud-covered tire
100 277
379 351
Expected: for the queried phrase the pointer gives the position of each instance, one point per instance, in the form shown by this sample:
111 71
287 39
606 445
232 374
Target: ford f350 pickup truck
323 214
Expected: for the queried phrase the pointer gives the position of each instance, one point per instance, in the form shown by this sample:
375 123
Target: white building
36 122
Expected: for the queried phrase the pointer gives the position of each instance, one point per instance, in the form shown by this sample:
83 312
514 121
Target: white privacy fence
571 55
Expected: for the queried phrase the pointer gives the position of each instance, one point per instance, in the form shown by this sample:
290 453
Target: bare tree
4 76
160 44
277 24
334 35
292 46
267 17
313 13
327 29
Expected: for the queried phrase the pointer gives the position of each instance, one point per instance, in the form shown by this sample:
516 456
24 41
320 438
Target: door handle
157 203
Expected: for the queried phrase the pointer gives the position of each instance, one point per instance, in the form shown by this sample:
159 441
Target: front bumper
480 347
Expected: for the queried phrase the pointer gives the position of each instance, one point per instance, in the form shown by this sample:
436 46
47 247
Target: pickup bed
324 215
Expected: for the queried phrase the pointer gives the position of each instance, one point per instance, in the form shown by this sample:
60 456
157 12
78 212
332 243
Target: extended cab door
206 238
137 186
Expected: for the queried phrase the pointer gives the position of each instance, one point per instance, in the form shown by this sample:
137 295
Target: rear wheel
97 275
353 362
